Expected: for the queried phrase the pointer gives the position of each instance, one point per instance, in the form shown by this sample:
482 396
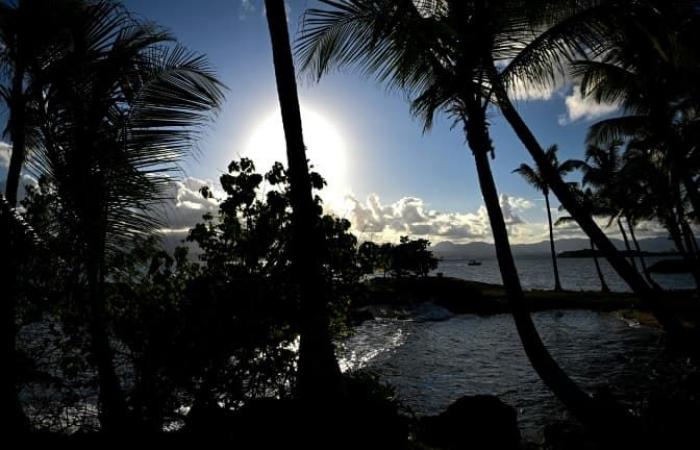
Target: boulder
472 422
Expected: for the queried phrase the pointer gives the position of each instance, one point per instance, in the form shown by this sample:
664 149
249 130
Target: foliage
409 257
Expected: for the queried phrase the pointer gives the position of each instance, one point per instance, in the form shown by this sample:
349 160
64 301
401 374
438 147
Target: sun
325 149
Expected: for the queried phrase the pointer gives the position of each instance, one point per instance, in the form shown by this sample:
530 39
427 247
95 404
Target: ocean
431 363
576 274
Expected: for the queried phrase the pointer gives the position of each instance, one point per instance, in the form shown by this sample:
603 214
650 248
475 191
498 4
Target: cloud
25 179
586 108
246 8
409 216
186 205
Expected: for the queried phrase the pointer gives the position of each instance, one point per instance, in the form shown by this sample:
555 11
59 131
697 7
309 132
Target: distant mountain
476 250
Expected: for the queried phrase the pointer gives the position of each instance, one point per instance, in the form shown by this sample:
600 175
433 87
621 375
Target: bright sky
384 173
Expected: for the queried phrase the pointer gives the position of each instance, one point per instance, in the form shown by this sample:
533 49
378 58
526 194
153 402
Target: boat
474 262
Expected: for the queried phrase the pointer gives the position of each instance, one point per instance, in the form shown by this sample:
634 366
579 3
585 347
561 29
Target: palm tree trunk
674 230
627 243
18 420
692 255
692 190
557 282
18 130
589 411
112 411
585 220
642 261
319 374
693 241
603 285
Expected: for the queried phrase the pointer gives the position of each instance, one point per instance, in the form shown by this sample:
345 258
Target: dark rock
475 422
564 435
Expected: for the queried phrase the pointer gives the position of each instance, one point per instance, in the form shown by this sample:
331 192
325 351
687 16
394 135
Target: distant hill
476 250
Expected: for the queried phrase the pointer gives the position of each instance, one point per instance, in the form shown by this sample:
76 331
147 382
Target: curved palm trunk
589 411
585 220
627 243
319 374
642 261
557 282
603 285
676 236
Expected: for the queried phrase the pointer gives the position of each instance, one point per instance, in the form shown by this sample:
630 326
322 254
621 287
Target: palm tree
121 109
658 197
30 37
649 66
572 31
535 179
319 374
440 54
587 198
533 40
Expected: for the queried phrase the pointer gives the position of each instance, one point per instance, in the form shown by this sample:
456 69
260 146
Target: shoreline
459 296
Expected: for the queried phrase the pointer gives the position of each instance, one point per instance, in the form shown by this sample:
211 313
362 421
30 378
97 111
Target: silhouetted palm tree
576 30
441 54
602 171
30 38
655 195
587 198
319 374
649 66
535 179
121 109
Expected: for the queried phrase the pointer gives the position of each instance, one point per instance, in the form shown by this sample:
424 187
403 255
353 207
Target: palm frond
575 31
616 129
531 176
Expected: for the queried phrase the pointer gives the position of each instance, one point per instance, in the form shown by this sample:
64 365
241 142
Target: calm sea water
433 363
575 273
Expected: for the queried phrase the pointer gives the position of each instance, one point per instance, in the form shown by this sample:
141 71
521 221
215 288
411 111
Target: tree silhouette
564 33
535 179
442 55
119 112
30 37
319 373
587 199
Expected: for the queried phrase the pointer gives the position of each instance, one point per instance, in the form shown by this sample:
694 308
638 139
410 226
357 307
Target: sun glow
325 149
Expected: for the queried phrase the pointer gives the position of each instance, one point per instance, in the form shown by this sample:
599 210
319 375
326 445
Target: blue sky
386 153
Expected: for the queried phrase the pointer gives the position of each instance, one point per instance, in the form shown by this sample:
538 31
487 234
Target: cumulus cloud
586 108
25 180
186 205
410 216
